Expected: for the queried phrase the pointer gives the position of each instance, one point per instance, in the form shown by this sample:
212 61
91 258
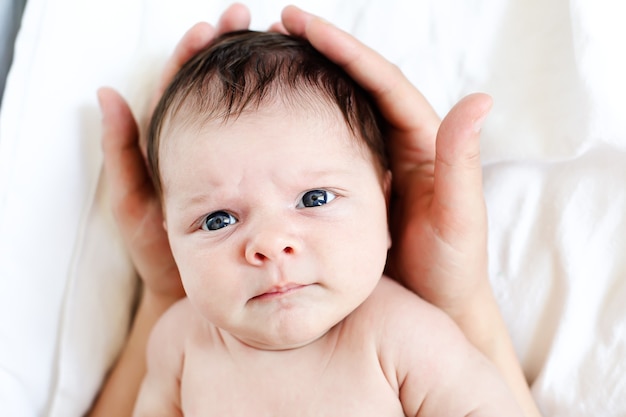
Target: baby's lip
280 290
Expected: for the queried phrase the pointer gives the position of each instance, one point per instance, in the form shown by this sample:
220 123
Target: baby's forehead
303 129
286 146
323 118
191 121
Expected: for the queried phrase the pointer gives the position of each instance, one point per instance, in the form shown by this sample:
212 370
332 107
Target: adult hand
136 206
438 217
137 211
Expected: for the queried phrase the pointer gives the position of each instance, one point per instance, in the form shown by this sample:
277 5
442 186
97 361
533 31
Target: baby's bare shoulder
176 326
409 332
176 317
393 305
433 362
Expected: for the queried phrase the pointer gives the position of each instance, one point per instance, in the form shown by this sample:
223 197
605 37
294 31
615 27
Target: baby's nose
271 243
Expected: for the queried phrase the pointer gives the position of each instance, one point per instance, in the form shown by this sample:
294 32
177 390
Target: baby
271 167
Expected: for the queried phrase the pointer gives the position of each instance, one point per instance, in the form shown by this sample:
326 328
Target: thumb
119 129
124 163
458 169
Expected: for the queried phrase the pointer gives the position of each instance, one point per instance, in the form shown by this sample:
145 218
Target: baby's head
272 172
242 71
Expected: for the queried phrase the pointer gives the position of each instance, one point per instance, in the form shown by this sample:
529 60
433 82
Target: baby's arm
159 395
462 382
439 372
118 396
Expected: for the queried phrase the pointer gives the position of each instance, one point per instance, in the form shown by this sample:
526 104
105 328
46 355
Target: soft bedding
554 152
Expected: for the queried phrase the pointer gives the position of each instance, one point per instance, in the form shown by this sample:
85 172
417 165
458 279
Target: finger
278 27
411 122
458 168
235 17
191 43
200 35
124 164
400 102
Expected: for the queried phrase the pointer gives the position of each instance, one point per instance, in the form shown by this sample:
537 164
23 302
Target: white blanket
554 150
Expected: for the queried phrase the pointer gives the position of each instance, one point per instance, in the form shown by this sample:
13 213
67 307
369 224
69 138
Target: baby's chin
286 340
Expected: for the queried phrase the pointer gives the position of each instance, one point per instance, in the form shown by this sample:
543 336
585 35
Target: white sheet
554 150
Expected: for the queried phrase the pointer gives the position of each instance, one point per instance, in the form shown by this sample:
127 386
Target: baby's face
277 221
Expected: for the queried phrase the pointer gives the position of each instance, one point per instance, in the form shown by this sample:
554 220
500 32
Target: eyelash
230 219
224 219
329 196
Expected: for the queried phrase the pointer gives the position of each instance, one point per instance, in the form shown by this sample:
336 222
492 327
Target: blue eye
315 198
217 220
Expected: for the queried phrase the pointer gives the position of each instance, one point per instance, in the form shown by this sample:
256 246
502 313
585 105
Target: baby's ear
387 186
164 214
387 191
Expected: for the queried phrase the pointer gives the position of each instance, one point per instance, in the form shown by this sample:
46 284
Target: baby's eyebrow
297 182
323 174
187 202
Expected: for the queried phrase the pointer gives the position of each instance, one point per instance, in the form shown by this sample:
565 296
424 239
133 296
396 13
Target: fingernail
478 123
311 17
102 113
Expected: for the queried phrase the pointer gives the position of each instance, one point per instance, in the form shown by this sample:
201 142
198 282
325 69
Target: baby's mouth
278 291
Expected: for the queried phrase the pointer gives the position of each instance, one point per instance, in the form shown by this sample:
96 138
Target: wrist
150 308
485 328
480 320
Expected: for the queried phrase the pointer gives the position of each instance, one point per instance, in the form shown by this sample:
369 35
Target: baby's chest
349 385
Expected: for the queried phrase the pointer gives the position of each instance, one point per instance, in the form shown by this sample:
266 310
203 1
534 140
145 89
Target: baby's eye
217 220
315 198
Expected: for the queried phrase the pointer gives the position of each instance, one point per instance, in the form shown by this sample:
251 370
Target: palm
147 240
438 216
135 203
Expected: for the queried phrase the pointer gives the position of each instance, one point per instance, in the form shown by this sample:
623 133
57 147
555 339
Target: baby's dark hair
242 70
